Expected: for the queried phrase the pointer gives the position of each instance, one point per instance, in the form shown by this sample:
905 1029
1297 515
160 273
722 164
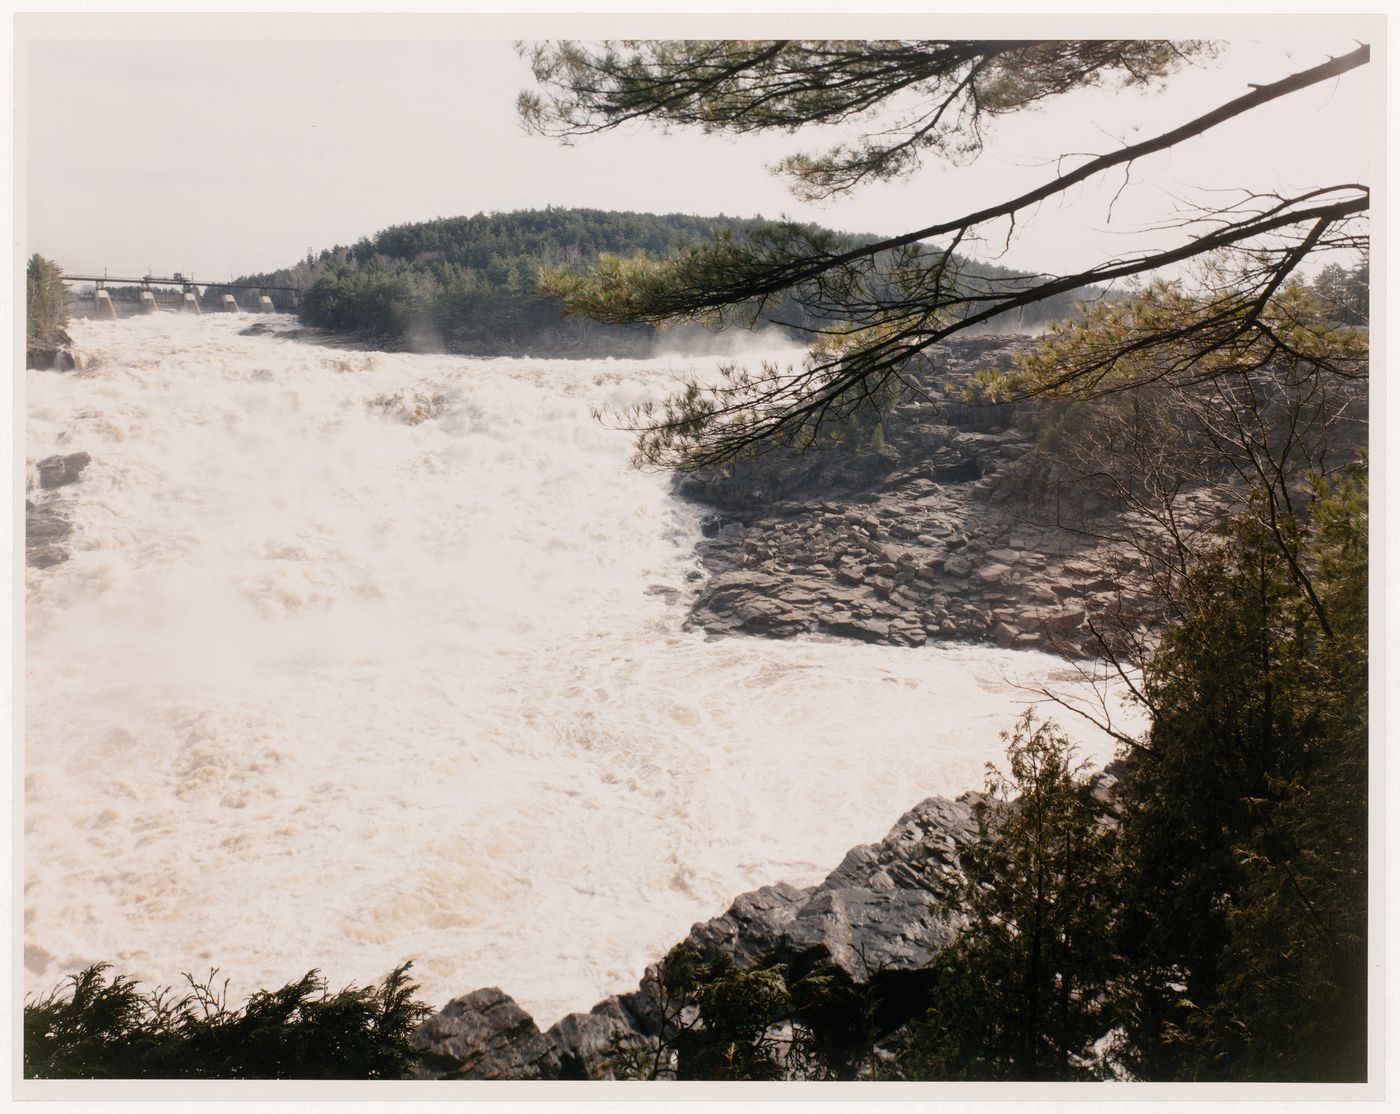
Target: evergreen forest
471 284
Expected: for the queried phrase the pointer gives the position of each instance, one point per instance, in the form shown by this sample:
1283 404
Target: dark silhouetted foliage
1022 993
91 1028
1244 839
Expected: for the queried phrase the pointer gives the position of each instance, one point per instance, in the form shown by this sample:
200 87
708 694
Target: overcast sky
216 156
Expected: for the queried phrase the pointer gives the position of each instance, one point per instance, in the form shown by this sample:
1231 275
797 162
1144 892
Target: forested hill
468 284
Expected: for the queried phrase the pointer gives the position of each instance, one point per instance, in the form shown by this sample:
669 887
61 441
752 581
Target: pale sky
217 156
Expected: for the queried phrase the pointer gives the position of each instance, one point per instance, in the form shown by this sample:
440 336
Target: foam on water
354 662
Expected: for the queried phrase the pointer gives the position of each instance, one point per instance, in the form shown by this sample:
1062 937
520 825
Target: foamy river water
354 662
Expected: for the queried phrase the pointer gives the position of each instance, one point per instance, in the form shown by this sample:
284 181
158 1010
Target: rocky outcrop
485 1035
46 521
46 528
954 530
56 353
872 919
910 566
56 471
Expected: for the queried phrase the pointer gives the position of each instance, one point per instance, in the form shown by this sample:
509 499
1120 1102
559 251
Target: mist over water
354 661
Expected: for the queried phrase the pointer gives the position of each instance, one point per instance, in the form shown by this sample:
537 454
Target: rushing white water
353 662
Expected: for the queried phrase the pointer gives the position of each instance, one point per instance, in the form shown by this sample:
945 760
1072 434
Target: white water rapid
354 662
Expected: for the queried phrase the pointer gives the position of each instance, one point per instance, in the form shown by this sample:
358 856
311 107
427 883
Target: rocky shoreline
871 923
56 353
46 521
871 919
953 530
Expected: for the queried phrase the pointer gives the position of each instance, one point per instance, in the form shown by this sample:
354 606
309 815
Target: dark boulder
589 1045
484 1035
55 353
873 915
56 471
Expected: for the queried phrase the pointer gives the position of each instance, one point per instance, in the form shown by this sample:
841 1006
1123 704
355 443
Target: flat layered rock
933 538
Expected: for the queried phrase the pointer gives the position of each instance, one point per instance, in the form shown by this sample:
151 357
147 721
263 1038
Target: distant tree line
472 283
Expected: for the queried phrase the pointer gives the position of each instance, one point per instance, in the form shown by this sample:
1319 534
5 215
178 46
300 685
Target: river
354 661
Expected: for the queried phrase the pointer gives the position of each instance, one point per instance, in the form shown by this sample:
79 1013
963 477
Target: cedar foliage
94 1028
1021 994
1244 839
